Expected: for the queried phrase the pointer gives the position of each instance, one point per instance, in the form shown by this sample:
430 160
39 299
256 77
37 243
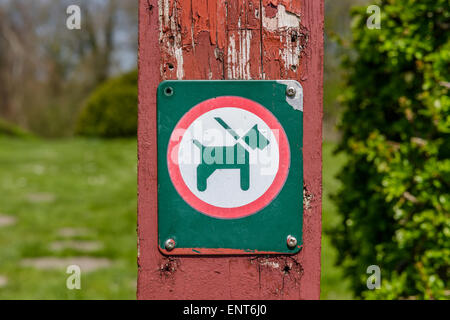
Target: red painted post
224 39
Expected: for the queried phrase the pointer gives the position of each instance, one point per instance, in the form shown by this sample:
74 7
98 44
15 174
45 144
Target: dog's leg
245 176
204 171
202 178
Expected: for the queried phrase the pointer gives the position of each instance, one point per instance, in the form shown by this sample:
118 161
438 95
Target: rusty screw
291 242
170 244
291 92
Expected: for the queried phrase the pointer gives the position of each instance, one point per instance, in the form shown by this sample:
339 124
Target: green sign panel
230 167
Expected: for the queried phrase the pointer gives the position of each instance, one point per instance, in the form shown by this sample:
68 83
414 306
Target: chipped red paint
293 6
241 39
218 251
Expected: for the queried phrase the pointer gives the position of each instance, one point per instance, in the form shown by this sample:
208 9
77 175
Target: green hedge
394 199
11 130
111 110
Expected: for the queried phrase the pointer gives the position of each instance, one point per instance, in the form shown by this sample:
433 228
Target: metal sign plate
230 167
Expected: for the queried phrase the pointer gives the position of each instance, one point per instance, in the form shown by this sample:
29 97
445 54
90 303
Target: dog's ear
255 139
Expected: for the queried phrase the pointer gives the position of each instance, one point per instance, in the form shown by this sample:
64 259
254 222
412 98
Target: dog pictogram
229 157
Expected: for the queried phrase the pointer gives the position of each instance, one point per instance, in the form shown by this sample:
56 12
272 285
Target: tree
47 70
395 199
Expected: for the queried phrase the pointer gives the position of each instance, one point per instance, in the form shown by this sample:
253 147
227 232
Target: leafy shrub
10 130
395 200
111 110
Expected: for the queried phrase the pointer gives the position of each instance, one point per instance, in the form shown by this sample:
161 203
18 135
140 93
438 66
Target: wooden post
230 39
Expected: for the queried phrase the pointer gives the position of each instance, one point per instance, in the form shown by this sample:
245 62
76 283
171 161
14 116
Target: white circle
224 187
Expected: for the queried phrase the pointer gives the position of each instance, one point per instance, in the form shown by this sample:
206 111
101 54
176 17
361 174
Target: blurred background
68 114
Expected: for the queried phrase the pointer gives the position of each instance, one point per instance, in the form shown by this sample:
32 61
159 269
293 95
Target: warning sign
230 167
228 157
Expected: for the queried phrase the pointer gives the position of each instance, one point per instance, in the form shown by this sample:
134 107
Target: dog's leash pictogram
229 157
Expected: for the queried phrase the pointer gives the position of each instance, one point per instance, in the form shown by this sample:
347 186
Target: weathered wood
240 39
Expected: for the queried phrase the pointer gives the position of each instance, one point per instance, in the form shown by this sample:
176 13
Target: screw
170 244
291 242
168 91
291 92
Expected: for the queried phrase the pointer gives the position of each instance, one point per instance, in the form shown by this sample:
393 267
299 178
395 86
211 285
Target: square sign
230 167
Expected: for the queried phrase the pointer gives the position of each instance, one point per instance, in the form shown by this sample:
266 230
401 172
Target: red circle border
252 207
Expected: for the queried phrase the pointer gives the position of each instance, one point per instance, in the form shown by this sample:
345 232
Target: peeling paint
170 38
283 39
168 267
231 57
238 63
268 263
180 63
290 52
295 102
307 198
257 39
282 20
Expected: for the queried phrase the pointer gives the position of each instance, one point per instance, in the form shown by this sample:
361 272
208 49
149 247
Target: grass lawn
76 199
67 198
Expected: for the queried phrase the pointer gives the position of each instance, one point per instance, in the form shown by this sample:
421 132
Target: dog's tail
198 144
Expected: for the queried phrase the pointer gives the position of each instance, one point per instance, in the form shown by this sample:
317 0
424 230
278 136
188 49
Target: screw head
170 244
291 92
168 91
291 242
